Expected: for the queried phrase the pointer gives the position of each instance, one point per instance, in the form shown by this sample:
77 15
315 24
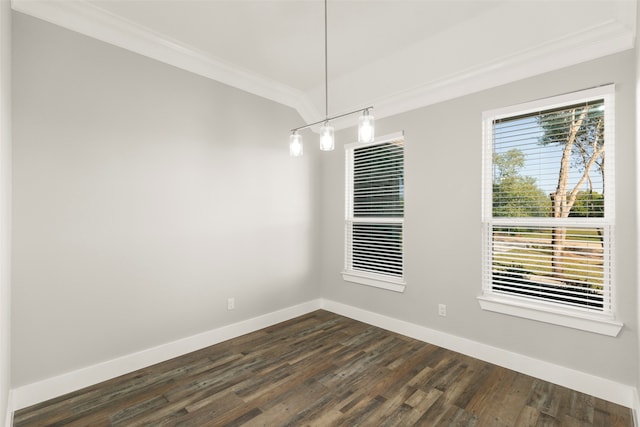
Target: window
548 224
374 226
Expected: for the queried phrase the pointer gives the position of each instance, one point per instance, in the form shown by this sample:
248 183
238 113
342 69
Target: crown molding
93 21
605 39
609 37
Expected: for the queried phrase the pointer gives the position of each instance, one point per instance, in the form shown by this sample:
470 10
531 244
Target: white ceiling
284 40
393 54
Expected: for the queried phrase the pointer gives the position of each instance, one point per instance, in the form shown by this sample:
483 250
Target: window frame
378 280
557 313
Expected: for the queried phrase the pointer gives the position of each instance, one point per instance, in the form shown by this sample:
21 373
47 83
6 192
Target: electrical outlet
442 310
231 303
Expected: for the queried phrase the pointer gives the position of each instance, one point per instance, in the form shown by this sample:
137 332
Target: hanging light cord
326 85
326 66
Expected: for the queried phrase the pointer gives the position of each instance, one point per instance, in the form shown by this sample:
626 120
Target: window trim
382 281
375 280
563 316
604 323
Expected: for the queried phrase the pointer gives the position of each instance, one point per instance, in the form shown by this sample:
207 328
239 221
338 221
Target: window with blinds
374 246
548 202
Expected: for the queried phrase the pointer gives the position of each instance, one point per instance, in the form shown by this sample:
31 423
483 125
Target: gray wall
5 205
443 228
144 196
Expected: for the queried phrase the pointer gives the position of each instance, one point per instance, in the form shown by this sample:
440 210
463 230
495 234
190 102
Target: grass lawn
529 253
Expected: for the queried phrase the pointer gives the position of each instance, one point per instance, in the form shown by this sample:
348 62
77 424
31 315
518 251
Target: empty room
319 212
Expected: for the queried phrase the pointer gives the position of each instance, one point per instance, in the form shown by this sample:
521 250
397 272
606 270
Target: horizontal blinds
376 247
532 262
375 200
378 174
550 163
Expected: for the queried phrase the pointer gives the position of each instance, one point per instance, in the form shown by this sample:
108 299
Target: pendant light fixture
327 140
326 137
366 129
295 144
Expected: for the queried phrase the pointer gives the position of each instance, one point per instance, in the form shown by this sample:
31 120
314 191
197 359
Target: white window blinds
564 265
375 208
548 219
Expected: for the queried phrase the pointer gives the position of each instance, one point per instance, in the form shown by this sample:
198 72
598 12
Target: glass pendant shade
366 129
326 137
295 145
366 132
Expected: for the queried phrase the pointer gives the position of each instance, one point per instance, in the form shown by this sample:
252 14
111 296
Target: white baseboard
40 391
612 391
603 388
8 422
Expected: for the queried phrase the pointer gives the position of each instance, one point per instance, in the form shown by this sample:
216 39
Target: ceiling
394 54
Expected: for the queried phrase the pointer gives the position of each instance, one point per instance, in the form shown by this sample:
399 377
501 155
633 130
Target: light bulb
295 145
366 129
326 137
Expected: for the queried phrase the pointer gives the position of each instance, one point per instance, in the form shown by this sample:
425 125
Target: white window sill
592 322
375 280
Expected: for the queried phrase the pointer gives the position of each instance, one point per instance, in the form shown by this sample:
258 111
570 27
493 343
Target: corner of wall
636 412
8 422
30 394
602 388
5 210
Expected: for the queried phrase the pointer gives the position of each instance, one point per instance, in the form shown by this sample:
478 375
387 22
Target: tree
515 195
579 130
588 204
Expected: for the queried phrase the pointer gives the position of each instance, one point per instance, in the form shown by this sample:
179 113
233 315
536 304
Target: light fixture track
328 119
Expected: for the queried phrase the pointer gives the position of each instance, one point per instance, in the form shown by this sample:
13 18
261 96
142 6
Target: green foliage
508 164
561 127
588 204
515 195
557 126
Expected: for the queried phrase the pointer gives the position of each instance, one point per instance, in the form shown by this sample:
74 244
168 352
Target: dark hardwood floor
322 369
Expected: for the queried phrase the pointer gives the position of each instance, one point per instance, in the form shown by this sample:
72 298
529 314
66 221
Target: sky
541 162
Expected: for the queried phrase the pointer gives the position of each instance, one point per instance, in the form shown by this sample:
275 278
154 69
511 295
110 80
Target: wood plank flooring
322 369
